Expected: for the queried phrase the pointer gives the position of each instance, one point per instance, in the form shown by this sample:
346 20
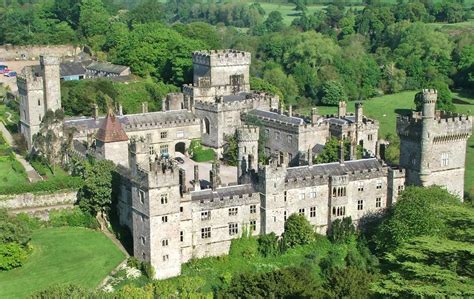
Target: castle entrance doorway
180 147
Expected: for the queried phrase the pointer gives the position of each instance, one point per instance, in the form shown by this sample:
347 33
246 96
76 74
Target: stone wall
38 204
9 52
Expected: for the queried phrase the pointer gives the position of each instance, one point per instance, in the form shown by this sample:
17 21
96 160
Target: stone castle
175 216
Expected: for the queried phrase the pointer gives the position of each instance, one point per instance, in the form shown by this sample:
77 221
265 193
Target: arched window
207 126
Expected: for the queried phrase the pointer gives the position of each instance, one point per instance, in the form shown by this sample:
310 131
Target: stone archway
180 147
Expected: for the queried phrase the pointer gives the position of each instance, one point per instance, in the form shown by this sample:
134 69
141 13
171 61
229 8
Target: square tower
433 146
228 69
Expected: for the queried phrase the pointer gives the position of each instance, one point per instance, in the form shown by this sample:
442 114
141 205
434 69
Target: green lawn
386 108
62 255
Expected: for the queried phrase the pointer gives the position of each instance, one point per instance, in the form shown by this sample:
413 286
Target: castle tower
32 106
112 141
433 146
227 69
247 153
51 82
39 90
156 216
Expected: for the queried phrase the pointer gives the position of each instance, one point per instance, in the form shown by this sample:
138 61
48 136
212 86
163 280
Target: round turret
430 96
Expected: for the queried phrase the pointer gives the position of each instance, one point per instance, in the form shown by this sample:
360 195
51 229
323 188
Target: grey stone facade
433 146
39 92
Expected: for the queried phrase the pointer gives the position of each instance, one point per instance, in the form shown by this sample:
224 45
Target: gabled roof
106 67
71 69
111 130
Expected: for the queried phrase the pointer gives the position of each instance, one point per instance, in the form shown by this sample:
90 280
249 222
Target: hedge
51 185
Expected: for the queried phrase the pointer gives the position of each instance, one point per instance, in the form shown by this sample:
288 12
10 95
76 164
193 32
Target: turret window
379 185
164 242
253 225
312 212
378 202
284 216
301 212
39 103
143 240
253 209
360 205
164 219
164 199
166 258
205 215
360 186
181 236
233 229
339 211
400 189
444 159
233 211
141 196
205 232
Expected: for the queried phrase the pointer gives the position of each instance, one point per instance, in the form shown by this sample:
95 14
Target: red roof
111 130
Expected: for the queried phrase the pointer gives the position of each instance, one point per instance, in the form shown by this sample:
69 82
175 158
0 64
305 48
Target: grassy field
386 108
62 255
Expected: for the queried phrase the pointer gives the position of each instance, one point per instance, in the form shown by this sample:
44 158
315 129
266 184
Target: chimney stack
341 152
341 111
314 115
197 184
120 109
359 114
145 107
290 110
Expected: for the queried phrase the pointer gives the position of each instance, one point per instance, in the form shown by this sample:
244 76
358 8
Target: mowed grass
386 108
62 255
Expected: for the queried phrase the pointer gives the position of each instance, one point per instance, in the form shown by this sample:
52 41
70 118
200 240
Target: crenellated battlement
49 60
29 79
430 95
248 133
445 126
226 57
253 100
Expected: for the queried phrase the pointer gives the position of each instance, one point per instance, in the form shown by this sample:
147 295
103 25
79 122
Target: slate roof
223 192
277 116
334 168
341 121
71 69
133 119
111 130
106 67
236 97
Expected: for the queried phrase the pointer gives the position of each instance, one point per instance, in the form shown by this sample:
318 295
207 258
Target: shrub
133 262
51 185
12 230
30 222
298 231
148 270
246 247
200 154
73 217
268 245
12 255
342 231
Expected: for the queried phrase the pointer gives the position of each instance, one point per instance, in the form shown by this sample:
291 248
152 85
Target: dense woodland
420 247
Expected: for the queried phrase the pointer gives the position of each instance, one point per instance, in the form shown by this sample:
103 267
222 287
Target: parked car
179 160
4 69
10 74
